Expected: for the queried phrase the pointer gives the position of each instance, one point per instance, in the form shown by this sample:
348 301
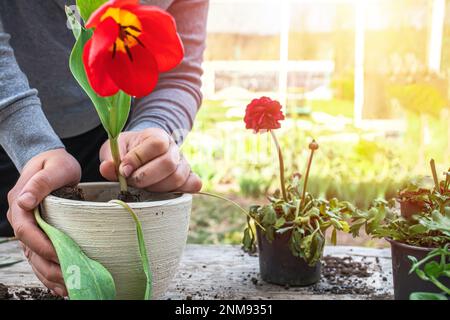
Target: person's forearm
177 97
171 109
26 133
24 129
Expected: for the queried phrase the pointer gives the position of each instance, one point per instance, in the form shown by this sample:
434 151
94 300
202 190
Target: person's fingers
192 185
53 176
108 170
105 150
157 169
26 229
153 146
175 180
54 287
50 270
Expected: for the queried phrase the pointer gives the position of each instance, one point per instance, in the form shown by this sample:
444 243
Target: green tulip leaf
118 116
142 249
102 105
87 7
85 278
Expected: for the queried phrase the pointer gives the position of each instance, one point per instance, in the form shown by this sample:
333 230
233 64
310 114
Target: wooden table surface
226 272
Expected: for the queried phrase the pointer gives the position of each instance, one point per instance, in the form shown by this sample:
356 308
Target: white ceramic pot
106 233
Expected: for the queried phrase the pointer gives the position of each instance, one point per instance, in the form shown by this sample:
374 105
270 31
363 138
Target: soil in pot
76 193
405 283
279 266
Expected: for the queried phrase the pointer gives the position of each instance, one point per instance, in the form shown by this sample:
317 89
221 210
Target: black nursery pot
405 283
278 265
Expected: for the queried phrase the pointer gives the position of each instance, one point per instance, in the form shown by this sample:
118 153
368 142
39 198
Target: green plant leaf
85 278
334 237
120 109
87 7
427 296
142 249
280 223
102 105
269 216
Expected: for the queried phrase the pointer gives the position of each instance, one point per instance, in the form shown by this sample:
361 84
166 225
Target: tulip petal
103 39
136 77
160 36
97 73
96 16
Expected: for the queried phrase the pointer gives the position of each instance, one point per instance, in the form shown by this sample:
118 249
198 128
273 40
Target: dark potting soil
26 294
70 193
75 193
344 276
128 197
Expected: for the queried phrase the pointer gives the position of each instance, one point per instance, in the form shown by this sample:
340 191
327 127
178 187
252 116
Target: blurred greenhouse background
368 79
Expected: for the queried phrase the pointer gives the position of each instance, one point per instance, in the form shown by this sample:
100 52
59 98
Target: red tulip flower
263 114
130 46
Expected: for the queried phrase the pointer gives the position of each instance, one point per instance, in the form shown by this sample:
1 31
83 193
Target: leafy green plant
432 271
430 227
305 218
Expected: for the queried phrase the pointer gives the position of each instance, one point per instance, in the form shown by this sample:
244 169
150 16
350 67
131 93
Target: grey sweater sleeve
24 129
176 99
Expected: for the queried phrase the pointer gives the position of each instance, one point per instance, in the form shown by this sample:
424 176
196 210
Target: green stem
280 158
441 286
232 202
306 178
116 157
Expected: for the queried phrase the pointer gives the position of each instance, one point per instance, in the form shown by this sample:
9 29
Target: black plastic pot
405 283
278 266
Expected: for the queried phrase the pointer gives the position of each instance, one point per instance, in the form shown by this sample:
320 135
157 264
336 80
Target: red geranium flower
130 46
263 114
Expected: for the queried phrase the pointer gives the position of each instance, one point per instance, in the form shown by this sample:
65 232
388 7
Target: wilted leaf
85 278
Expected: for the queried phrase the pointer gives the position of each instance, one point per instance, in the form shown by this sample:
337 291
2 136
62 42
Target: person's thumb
40 185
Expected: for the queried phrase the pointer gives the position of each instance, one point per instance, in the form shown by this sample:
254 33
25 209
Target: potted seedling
290 230
113 241
412 236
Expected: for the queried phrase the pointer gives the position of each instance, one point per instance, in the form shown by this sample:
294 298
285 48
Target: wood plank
226 272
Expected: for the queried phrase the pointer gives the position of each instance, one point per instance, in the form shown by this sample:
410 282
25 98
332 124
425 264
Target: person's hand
42 174
151 160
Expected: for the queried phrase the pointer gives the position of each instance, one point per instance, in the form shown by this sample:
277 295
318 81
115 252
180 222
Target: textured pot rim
408 246
184 198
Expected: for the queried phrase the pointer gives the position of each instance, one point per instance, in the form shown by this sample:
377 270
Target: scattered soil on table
344 276
76 193
334 266
4 293
26 294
